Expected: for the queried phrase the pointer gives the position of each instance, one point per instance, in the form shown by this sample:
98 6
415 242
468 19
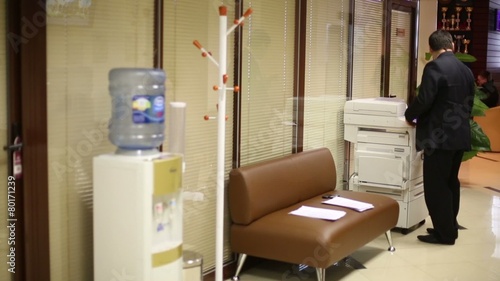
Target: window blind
267 81
85 39
400 54
367 49
326 78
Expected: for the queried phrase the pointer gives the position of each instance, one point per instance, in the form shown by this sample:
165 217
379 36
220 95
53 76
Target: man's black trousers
442 191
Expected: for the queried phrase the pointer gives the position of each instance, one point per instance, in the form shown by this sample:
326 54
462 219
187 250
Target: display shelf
457 18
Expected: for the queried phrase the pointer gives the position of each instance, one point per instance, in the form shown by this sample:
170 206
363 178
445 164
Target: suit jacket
491 99
443 106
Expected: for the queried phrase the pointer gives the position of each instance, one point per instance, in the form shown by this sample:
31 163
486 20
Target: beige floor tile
406 273
378 258
491 265
464 271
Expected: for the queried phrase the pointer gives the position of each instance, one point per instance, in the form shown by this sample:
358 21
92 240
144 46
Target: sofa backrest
262 188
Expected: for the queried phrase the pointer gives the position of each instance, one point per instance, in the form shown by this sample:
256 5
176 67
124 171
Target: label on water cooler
148 109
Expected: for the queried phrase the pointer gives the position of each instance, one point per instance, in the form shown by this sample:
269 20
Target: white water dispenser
137 189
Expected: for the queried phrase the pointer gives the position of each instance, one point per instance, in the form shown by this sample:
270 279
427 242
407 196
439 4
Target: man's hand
411 123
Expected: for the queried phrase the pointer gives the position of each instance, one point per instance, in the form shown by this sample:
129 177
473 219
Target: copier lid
376 106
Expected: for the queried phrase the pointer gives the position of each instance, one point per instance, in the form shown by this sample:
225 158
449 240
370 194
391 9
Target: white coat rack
221 126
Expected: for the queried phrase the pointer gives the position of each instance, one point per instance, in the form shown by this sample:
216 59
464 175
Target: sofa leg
239 265
389 239
321 273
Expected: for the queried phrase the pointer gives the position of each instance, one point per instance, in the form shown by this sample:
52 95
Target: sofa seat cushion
315 242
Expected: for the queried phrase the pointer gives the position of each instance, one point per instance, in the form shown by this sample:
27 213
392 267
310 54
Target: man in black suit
441 112
487 86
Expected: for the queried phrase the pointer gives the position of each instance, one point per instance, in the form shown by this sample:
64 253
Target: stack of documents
319 213
349 203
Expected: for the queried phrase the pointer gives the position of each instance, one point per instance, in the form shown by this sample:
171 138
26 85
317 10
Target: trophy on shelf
466 44
457 20
469 11
444 21
452 27
459 41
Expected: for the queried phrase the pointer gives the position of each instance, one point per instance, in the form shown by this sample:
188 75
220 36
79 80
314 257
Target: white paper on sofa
349 203
319 213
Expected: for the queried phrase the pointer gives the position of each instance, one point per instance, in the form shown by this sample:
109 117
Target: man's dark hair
485 74
440 39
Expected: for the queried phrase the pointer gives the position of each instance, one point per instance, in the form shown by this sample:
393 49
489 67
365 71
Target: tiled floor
475 255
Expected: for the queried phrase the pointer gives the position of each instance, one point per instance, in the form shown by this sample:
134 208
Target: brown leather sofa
262 195
490 123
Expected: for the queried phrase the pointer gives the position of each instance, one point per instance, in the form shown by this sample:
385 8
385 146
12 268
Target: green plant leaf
479 141
480 94
478 108
469 155
460 56
465 57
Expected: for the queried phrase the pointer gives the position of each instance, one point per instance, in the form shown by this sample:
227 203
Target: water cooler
137 189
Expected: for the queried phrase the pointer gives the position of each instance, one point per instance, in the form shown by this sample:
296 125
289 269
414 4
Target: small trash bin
193 266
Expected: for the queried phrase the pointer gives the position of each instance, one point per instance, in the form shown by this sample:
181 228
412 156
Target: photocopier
385 157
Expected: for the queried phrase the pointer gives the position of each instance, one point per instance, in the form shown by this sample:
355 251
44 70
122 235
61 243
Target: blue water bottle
137 123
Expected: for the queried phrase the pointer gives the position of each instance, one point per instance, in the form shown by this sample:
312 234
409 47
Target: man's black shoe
432 231
433 240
